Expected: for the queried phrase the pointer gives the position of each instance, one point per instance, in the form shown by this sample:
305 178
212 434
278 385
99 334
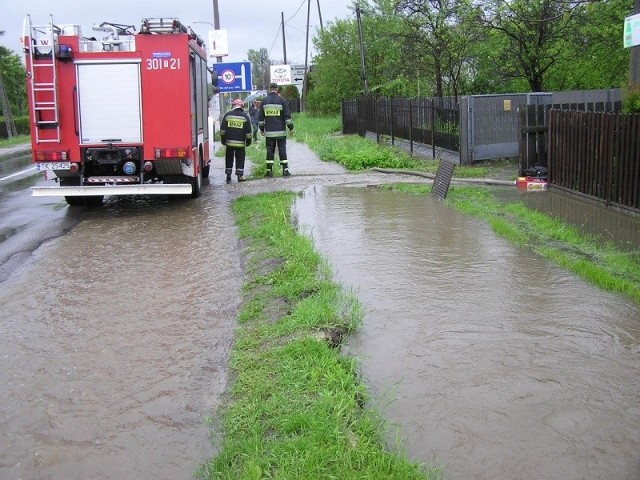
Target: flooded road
486 358
116 325
115 342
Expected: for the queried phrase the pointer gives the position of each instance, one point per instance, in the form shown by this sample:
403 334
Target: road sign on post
234 77
297 74
218 44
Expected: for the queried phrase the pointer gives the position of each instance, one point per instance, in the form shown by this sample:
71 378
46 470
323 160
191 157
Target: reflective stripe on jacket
235 128
275 116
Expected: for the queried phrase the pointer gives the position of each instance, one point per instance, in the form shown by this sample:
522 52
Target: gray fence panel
610 95
492 125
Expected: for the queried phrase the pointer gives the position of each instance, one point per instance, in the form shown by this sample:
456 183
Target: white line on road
17 173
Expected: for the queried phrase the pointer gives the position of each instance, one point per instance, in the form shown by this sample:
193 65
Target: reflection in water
115 342
9 164
609 224
492 360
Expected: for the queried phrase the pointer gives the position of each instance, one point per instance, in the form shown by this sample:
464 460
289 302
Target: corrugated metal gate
490 127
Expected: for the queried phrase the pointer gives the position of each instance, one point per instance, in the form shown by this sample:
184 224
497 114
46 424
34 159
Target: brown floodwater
116 325
484 357
114 342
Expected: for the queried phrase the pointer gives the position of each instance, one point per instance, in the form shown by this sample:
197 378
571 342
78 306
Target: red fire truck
120 112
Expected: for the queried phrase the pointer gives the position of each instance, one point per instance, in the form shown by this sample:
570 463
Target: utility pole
362 57
320 16
306 61
216 26
216 22
284 42
634 77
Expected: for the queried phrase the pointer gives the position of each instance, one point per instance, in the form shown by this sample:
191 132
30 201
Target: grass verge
296 404
323 135
10 142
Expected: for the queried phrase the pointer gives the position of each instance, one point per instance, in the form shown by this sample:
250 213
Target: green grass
296 405
323 135
9 142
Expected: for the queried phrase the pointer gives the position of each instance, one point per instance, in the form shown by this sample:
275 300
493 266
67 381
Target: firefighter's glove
223 140
247 142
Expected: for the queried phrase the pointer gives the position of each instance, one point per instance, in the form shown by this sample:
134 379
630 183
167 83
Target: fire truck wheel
196 183
205 168
93 200
74 201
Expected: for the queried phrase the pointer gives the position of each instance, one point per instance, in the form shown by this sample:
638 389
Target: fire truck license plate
53 166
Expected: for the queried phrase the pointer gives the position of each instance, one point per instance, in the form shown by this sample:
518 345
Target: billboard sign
281 74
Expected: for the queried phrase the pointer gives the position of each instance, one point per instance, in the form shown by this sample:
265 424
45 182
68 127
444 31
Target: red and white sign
228 76
218 45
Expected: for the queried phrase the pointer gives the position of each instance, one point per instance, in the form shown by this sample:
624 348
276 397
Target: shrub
22 126
631 103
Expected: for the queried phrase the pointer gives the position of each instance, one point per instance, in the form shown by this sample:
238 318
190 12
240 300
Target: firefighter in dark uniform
273 120
235 135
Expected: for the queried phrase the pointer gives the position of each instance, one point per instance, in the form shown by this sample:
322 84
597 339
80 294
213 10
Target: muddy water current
114 343
484 357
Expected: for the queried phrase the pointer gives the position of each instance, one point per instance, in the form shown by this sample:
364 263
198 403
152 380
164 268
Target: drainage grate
443 179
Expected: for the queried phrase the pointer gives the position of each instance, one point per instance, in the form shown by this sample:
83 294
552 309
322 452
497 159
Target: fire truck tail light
52 156
148 166
171 152
74 167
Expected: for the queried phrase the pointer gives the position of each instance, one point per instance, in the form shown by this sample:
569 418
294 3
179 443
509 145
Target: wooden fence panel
596 154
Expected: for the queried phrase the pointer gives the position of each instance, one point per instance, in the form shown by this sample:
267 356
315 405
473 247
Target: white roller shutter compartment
109 102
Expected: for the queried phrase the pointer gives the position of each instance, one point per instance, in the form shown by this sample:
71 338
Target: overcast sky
251 24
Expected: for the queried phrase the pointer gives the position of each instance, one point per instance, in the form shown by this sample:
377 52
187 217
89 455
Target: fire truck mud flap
145 189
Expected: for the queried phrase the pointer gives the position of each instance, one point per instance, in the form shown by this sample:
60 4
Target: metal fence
596 154
480 127
426 121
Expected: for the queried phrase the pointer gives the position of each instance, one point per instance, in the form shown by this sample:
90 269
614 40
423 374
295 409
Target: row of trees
460 47
445 48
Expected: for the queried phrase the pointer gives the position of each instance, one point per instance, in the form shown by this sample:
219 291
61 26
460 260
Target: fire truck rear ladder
44 89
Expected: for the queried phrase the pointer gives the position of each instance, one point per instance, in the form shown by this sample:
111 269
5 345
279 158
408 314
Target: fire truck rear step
112 179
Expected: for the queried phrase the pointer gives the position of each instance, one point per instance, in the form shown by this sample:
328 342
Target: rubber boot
269 172
285 172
